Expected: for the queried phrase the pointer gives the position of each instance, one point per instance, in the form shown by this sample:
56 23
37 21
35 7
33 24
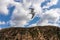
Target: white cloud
2 22
18 23
21 15
3 8
52 15
53 2
32 25
37 6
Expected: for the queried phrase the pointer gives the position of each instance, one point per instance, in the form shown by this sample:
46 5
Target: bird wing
33 15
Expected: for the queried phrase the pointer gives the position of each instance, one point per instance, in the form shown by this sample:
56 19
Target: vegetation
17 33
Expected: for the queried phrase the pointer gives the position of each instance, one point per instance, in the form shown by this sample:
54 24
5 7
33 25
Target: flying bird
32 12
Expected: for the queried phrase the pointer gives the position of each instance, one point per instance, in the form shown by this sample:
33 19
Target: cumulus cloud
1 23
21 15
37 6
32 25
3 8
52 2
50 15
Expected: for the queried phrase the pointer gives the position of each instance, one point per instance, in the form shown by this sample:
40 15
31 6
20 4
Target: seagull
32 12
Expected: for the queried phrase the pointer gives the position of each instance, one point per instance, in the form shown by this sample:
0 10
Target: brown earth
33 33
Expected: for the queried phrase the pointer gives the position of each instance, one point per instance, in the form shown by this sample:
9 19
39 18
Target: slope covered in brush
33 33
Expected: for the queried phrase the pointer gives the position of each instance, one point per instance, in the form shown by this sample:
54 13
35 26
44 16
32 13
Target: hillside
33 33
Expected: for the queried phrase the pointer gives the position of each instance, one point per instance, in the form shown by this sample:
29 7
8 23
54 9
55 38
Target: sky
15 13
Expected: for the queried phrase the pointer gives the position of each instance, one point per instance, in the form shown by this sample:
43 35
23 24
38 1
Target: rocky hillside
33 33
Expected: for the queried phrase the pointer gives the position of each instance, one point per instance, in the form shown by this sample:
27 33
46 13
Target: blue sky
11 8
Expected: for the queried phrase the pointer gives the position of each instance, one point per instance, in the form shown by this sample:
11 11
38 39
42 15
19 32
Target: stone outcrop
33 33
